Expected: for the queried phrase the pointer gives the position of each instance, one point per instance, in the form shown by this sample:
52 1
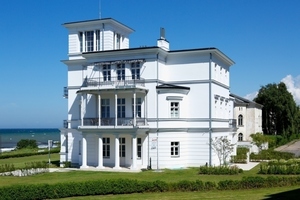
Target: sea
10 137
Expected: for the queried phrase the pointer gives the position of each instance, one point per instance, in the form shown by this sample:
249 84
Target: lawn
165 175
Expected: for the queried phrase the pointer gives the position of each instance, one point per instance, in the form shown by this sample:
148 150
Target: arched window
240 120
240 137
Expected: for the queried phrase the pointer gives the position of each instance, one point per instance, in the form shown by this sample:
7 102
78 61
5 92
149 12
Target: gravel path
292 147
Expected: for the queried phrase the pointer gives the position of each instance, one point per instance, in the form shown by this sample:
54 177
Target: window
138 107
87 44
240 137
240 120
105 108
79 146
174 109
89 41
106 70
174 148
121 71
80 41
121 108
67 143
118 41
122 152
135 71
106 147
139 148
97 40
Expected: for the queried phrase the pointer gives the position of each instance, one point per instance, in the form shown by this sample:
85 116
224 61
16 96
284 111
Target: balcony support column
134 108
99 110
83 107
145 108
116 109
84 152
117 149
134 152
100 152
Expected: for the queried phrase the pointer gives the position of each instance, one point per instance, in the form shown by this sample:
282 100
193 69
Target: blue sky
261 36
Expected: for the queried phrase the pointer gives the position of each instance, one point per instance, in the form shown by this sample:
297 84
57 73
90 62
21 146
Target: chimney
162 42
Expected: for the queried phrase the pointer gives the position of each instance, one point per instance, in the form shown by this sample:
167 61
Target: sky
261 36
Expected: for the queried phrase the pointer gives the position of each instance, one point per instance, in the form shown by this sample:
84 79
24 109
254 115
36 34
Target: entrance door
122 151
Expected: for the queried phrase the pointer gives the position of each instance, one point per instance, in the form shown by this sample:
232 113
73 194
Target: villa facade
147 107
248 115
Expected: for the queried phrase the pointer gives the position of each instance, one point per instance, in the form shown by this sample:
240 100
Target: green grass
20 162
291 192
167 175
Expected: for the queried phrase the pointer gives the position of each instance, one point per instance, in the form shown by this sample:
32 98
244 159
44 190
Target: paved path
248 166
292 147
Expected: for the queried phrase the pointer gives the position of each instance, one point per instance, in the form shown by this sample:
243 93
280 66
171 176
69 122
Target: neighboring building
249 120
142 107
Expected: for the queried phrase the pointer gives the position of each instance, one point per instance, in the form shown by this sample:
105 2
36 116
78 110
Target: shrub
16 154
220 170
241 155
270 154
26 143
127 186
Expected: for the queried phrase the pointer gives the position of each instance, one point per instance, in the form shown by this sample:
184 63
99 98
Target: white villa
142 107
249 121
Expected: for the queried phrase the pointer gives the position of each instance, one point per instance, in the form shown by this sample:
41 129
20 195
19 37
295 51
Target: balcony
111 122
119 81
232 123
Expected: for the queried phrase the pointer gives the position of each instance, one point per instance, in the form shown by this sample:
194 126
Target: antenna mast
99 9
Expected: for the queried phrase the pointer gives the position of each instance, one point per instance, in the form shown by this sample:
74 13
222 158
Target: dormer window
117 41
89 41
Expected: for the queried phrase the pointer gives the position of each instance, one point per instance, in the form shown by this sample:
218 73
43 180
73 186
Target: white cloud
293 86
251 96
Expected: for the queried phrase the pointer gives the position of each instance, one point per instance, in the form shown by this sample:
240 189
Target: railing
111 122
66 93
114 81
232 123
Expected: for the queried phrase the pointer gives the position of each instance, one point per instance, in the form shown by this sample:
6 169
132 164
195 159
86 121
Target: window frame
106 147
240 120
139 148
175 149
136 71
240 137
173 106
121 108
138 107
106 72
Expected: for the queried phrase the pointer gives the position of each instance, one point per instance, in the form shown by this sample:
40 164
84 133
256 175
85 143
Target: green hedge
285 167
270 154
17 155
220 170
241 155
127 186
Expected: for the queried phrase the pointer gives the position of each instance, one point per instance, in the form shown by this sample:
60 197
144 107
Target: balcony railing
114 81
111 122
232 123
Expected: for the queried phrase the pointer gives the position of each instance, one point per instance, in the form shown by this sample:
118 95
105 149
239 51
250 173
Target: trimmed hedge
285 167
17 155
270 154
241 155
220 170
128 186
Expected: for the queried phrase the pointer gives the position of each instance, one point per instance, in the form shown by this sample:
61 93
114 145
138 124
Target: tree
25 143
259 140
223 148
279 113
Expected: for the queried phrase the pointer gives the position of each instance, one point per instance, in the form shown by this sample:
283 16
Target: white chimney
162 42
